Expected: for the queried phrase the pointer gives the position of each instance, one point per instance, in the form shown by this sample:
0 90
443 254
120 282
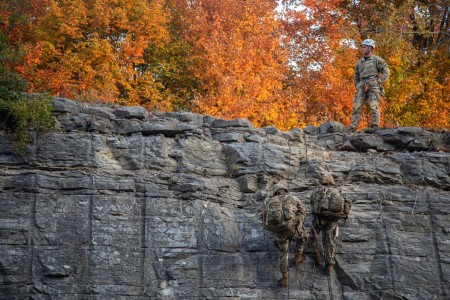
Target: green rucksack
330 202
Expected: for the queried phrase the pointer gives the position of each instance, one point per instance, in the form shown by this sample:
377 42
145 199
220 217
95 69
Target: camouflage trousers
300 236
373 94
326 228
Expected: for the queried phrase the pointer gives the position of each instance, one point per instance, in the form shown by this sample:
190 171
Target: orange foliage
286 63
240 60
89 49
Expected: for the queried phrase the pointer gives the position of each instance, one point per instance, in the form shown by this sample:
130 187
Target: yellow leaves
418 97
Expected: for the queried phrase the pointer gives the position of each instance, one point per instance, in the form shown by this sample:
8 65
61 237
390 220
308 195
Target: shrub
19 112
31 114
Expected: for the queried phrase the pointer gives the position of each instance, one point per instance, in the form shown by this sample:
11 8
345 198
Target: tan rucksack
330 202
278 214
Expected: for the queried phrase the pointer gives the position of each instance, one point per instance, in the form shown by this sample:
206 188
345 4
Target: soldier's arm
356 75
384 70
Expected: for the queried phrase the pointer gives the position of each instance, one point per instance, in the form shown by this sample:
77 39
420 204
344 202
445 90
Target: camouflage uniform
328 227
326 224
366 72
295 232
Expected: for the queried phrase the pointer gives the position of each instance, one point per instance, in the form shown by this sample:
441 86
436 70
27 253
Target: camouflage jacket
371 68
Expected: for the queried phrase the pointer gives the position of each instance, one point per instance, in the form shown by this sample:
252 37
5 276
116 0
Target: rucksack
278 215
330 202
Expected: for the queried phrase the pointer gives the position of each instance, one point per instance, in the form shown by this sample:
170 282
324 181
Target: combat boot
284 281
371 129
299 258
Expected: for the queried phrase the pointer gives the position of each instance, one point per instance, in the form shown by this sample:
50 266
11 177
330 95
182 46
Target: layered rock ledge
120 203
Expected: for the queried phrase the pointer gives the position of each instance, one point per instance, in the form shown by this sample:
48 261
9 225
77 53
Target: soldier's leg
329 236
301 238
374 99
283 255
358 102
316 240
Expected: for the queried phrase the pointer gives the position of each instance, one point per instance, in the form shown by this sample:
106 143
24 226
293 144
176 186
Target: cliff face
123 204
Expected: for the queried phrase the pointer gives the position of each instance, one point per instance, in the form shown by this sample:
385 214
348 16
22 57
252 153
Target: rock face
125 204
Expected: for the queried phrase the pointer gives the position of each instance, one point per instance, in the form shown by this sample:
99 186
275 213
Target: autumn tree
20 113
239 60
94 49
413 37
15 24
287 63
172 63
16 21
322 50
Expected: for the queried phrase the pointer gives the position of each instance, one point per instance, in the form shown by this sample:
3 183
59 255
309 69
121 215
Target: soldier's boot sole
284 281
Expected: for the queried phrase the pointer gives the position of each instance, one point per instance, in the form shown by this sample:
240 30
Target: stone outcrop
120 203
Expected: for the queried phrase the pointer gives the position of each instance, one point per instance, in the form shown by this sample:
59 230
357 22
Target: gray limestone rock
229 137
169 128
131 112
333 126
63 105
313 130
136 206
102 112
220 123
271 130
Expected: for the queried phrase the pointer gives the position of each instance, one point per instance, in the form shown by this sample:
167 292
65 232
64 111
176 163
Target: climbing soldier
283 214
371 72
328 207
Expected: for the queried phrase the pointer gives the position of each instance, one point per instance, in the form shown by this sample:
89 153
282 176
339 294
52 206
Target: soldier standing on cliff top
368 84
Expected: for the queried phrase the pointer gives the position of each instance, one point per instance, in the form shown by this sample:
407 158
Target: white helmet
369 42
